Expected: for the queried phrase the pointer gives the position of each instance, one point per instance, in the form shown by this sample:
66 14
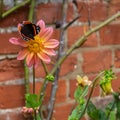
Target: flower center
35 45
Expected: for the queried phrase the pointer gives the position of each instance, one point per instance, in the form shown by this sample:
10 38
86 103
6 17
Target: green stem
45 68
31 12
92 88
15 8
33 79
35 115
26 77
25 67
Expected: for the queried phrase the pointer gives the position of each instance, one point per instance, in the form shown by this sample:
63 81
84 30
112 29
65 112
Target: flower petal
41 23
48 51
17 41
52 43
22 43
14 41
32 62
46 33
44 57
37 60
29 58
22 54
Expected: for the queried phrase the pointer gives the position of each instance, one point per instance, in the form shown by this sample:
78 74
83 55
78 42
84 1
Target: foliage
109 112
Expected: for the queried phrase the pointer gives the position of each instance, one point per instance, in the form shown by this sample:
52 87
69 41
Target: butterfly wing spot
37 29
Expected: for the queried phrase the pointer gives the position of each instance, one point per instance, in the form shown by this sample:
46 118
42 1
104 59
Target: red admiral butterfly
28 30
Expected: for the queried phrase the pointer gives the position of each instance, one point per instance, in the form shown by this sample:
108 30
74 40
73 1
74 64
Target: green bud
50 78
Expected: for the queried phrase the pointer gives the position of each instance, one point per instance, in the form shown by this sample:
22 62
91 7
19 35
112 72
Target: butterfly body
28 30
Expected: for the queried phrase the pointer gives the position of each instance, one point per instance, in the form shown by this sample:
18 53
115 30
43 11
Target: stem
45 68
60 53
33 79
26 70
35 115
26 77
92 88
31 12
81 40
14 8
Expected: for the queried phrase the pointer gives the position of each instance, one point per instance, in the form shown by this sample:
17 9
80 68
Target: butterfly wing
28 30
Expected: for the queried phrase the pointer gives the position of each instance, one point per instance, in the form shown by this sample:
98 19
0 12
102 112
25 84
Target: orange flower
39 48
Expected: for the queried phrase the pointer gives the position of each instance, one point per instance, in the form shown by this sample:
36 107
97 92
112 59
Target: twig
60 51
14 8
70 23
81 40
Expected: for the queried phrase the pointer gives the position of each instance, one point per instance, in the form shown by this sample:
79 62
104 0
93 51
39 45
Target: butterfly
28 30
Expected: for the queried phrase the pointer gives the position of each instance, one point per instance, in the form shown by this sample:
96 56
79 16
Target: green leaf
85 91
38 117
74 115
112 115
77 112
32 101
80 92
117 101
92 111
101 115
110 111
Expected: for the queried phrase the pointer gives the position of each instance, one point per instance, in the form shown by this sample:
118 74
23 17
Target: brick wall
101 51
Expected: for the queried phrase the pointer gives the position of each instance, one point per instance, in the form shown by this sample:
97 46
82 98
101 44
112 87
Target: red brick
37 87
49 12
73 86
61 92
11 96
114 1
12 116
62 112
74 33
56 34
116 83
70 12
6 47
15 18
113 9
11 69
117 58
40 72
95 61
68 65
98 11
109 35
